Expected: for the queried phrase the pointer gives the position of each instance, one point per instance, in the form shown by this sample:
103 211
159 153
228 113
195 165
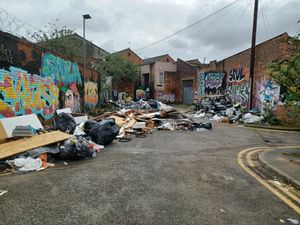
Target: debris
139 125
23 131
293 221
228 178
41 150
7 125
28 164
79 130
217 118
74 149
281 221
105 132
65 122
78 117
65 163
2 192
15 147
223 210
249 118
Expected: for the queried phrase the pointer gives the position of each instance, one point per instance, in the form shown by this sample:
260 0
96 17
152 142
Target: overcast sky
115 23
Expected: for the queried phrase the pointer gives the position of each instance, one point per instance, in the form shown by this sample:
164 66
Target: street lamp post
85 17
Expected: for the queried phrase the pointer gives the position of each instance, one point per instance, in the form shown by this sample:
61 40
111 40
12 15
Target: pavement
284 161
167 178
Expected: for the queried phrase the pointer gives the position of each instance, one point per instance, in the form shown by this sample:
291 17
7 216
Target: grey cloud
141 22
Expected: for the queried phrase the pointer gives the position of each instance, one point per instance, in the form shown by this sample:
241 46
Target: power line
191 25
266 16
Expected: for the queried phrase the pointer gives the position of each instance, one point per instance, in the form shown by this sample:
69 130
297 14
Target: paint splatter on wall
22 93
238 86
90 94
267 95
67 77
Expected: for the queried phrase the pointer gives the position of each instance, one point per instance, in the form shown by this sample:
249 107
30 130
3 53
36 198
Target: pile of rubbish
220 109
31 148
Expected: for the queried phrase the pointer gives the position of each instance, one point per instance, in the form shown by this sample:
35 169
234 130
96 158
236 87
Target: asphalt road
166 178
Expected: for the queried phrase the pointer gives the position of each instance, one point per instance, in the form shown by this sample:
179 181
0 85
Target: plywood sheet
12 148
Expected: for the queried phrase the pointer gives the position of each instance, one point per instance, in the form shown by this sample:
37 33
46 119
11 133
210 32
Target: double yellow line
249 152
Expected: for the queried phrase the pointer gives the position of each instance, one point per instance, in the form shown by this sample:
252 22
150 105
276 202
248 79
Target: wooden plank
22 145
120 121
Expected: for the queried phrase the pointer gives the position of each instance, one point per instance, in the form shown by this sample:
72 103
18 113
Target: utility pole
252 59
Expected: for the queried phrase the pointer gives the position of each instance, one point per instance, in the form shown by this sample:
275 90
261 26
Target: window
161 78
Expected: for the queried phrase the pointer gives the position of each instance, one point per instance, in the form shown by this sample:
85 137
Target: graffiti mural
66 76
90 94
168 98
212 83
140 94
267 95
22 93
238 86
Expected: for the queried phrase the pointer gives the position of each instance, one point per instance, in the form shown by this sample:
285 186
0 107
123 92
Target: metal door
188 94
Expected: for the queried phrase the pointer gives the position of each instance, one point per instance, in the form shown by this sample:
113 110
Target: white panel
9 124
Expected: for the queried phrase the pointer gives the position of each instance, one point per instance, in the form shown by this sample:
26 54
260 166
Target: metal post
83 46
252 59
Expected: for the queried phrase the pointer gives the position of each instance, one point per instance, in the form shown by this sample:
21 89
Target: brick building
158 74
231 75
128 86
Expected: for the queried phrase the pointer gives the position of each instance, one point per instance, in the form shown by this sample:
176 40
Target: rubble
73 141
219 109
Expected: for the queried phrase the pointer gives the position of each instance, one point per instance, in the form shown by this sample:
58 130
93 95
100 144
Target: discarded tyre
65 122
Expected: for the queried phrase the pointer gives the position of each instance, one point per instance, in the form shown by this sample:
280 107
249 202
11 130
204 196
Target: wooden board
130 124
120 121
12 148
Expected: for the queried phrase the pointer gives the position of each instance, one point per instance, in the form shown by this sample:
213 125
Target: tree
121 70
286 73
61 40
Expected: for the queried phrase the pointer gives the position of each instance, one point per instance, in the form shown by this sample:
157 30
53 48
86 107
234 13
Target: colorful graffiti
238 87
22 93
61 71
267 95
140 94
167 98
90 94
212 83
67 76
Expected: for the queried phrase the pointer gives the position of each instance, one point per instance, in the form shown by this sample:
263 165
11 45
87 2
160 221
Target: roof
156 58
126 50
194 62
78 36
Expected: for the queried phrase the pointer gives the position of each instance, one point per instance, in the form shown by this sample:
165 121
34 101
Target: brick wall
237 69
26 56
186 71
170 92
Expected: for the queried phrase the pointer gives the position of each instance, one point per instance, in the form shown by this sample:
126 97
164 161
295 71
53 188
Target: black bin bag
104 132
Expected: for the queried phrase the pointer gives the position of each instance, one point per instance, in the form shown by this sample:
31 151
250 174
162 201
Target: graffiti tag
22 93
